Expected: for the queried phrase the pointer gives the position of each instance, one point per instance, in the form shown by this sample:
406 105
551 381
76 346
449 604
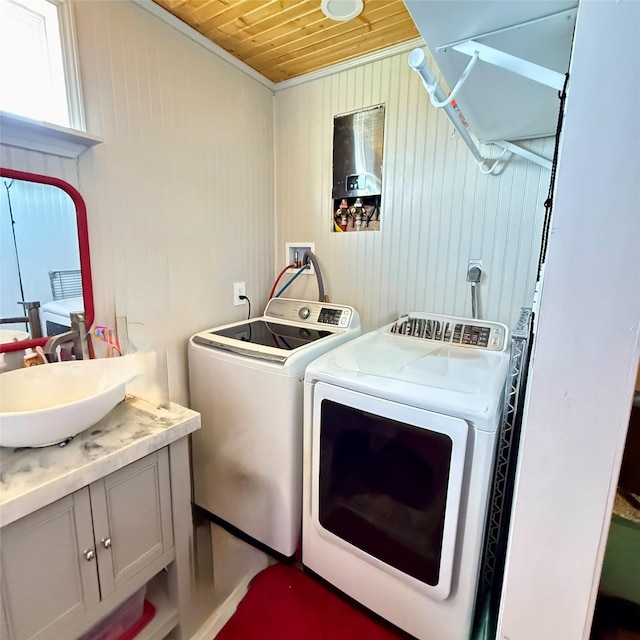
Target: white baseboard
214 623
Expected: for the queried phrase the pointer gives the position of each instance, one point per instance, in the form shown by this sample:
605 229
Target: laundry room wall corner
180 194
438 209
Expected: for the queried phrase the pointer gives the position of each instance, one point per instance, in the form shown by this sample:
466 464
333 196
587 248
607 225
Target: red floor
285 604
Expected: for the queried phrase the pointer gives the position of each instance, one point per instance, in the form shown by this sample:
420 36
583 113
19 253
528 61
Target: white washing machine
400 435
246 380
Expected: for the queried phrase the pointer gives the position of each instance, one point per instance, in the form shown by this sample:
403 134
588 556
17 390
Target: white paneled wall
180 193
438 210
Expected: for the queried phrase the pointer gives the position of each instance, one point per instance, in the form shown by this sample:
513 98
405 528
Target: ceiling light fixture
341 10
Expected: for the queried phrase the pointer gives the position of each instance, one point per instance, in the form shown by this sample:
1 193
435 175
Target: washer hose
308 256
473 276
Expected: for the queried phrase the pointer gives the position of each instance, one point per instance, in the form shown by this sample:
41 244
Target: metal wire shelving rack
496 533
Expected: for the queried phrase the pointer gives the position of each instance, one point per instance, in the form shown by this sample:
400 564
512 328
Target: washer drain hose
310 257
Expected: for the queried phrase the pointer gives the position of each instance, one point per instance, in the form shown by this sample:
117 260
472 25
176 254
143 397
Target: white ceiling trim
351 64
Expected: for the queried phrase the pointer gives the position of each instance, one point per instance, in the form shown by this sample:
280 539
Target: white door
386 483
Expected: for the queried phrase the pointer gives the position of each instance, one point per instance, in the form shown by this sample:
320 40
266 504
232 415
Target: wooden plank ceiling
282 39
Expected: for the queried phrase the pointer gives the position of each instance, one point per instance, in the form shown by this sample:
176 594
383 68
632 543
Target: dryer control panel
312 313
463 332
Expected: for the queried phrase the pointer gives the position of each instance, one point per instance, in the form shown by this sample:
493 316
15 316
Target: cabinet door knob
89 554
106 543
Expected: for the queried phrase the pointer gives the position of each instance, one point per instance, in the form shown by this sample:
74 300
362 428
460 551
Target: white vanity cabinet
84 527
132 524
42 563
63 562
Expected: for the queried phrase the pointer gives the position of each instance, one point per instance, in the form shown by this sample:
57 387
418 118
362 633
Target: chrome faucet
31 318
77 334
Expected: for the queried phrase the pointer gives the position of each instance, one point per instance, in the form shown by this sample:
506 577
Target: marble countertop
32 478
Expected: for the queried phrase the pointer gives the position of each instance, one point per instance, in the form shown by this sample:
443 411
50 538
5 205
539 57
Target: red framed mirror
83 248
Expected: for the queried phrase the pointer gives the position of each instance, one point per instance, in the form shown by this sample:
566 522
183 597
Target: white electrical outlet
239 290
474 263
294 253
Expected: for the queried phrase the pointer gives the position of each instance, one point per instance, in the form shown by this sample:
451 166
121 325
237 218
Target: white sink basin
13 359
9 335
47 404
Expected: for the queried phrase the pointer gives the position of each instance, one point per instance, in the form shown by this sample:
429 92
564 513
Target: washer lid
288 327
265 339
262 333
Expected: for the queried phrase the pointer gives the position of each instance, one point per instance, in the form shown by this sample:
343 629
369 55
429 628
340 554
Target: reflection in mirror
39 255
44 258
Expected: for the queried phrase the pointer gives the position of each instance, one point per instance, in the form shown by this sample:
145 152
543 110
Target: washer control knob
304 313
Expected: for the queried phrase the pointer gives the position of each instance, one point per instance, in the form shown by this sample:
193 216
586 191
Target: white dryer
55 316
246 380
400 435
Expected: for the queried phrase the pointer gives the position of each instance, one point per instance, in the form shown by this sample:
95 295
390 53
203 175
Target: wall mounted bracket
524 153
515 64
418 62
524 54
535 72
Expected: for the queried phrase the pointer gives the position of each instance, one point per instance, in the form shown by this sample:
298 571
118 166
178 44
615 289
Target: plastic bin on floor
123 620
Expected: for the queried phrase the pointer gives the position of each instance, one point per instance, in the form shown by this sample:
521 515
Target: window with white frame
38 69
